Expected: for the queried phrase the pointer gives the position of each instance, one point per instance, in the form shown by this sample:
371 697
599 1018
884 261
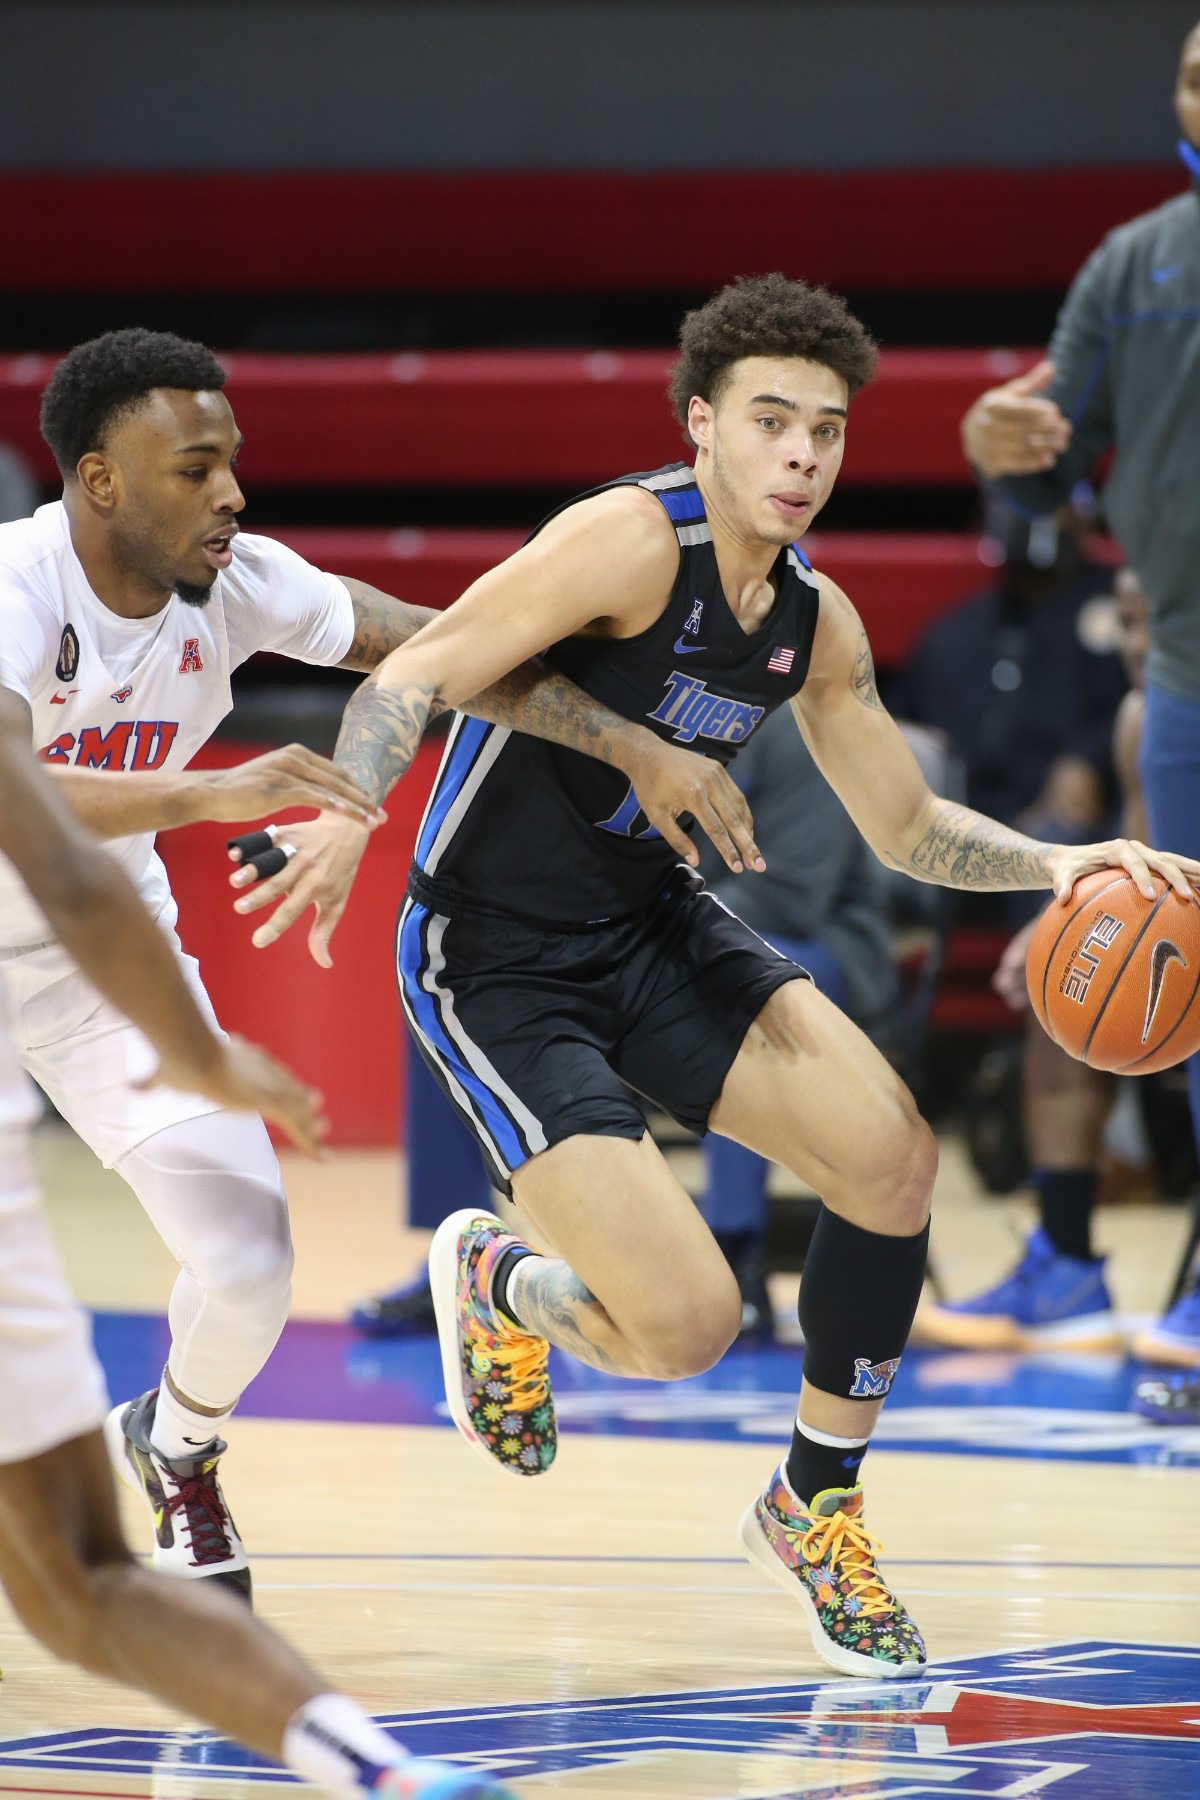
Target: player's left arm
862 754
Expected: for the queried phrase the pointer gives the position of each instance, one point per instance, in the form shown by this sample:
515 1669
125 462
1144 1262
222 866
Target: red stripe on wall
916 229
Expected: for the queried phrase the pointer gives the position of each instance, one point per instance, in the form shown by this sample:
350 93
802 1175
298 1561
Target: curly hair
767 315
96 382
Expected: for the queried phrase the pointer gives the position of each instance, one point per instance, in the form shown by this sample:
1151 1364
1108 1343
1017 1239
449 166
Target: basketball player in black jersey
552 947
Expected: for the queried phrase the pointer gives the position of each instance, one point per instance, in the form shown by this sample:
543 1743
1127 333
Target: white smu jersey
133 694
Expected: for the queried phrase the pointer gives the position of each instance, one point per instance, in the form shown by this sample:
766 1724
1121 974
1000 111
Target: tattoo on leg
552 1302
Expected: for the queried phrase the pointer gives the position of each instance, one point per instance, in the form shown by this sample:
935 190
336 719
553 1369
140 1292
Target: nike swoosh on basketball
682 649
1163 953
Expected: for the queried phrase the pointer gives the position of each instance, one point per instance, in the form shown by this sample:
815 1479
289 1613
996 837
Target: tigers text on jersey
529 828
108 692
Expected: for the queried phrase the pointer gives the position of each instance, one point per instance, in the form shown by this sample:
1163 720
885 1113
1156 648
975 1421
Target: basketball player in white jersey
124 609
64 1563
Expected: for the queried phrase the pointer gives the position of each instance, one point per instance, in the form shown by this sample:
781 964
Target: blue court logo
1084 1719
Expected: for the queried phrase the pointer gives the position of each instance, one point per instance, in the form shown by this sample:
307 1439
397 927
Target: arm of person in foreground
96 913
611 559
865 759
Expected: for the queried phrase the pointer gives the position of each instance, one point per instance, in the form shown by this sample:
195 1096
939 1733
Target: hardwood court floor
500 1609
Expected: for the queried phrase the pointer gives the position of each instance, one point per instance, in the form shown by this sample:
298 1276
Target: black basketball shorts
535 1034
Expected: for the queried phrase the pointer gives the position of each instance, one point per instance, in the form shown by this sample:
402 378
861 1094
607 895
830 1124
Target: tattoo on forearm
537 700
964 849
381 625
862 676
381 729
550 1300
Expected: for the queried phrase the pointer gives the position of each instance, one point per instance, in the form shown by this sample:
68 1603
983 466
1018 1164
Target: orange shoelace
843 1540
525 1360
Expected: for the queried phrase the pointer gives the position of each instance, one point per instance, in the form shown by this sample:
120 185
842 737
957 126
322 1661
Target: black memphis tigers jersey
530 828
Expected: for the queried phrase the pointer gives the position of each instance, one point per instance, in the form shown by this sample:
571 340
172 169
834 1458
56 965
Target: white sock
826 1437
333 1743
178 1431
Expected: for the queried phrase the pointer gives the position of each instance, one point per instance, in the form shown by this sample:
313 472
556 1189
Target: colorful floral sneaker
497 1378
825 1559
1169 1399
417 1779
1048 1302
1175 1339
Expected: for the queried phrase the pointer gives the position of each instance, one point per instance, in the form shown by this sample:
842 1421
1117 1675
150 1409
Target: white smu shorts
51 1385
85 1055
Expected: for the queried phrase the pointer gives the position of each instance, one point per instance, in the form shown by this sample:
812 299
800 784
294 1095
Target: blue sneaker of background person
1048 1302
1169 1399
405 1311
1175 1339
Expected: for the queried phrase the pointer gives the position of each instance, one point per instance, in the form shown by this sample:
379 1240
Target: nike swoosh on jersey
1160 275
1163 954
682 649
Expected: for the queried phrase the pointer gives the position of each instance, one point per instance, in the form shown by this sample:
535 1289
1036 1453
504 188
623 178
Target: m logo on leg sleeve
872 1380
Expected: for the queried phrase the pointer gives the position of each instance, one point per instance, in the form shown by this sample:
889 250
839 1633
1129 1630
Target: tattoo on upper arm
547 1296
862 677
965 850
381 625
381 729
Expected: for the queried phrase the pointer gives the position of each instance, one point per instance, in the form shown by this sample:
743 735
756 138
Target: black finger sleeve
252 843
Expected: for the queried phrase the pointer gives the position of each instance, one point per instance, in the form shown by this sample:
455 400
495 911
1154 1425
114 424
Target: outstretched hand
1014 430
669 781
322 859
289 776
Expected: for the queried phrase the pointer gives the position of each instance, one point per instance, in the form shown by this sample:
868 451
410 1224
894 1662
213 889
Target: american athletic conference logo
1072 1718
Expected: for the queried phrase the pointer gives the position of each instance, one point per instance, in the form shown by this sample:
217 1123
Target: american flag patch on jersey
781 661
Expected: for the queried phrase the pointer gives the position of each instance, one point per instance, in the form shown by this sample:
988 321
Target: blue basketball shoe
417 1779
404 1311
1048 1302
1175 1339
1169 1399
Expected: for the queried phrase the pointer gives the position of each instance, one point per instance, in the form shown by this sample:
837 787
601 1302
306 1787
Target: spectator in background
1121 376
1057 1297
1023 684
822 902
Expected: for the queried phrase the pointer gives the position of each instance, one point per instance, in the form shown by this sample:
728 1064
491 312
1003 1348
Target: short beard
193 594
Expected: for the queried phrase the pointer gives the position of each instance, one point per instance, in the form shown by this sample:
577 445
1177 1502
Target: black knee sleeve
857 1300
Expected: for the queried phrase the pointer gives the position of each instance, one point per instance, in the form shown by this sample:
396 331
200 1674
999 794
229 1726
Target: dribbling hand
1067 863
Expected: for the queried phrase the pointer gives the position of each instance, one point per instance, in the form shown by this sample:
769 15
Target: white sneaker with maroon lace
194 1535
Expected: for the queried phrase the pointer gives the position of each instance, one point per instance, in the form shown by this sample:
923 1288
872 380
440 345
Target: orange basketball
1115 978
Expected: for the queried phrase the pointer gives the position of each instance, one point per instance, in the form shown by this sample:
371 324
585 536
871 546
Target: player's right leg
810 1091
